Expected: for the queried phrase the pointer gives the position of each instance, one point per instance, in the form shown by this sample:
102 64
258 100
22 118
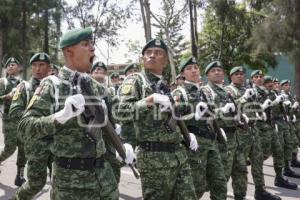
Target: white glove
266 104
262 117
201 109
276 128
162 100
287 103
223 134
278 99
248 93
118 129
245 118
76 101
295 105
229 107
294 118
129 154
193 144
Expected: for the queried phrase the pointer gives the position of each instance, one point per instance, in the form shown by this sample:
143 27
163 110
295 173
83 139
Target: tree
145 12
105 16
170 24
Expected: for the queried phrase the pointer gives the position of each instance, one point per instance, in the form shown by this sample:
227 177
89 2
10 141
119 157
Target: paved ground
130 188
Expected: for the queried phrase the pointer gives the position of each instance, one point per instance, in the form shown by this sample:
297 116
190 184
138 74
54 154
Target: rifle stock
97 114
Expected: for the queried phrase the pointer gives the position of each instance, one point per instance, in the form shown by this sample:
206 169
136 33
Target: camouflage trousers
96 184
39 158
115 164
228 152
11 142
207 170
165 176
285 134
249 145
294 136
297 132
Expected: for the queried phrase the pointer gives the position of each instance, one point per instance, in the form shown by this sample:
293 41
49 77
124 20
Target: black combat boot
289 172
284 183
295 162
262 194
20 177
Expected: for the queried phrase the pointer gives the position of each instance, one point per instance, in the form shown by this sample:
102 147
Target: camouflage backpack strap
180 91
27 89
209 92
232 90
56 82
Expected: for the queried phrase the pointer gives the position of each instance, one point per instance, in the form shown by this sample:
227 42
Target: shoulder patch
18 91
32 100
126 89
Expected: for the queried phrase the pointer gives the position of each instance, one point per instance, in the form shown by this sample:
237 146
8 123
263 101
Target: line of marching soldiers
188 140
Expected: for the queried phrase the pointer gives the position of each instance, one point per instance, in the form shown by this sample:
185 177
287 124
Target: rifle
161 87
213 122
238 112
95 114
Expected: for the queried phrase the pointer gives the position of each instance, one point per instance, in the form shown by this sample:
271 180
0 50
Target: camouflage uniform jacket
69 138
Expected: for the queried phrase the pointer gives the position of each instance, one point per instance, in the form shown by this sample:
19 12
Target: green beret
11 60
237 69
212 65
57 67
130 66
285 81
114 75
155 43
43 57
190 61
256 72
275 79
75 36
99 64
268 79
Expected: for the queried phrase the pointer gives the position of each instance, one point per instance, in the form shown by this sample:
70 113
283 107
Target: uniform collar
191 83
67 74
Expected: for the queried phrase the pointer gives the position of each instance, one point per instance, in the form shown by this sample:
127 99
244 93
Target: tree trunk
46 31
170 54
148 20
24 38
1 43
196 25
297 36
193 41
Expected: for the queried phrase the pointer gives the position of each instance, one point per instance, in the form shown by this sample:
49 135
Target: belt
202 132
159 146
79 163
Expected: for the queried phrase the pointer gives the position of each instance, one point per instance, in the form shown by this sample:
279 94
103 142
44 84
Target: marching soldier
161 159
130 69
38 152
58 109
225 112
99 72
11 142
206 165
249 144
268 129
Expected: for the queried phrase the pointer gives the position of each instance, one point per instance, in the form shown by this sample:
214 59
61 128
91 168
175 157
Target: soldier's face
155 59
269 85
12 69
216 75
191 73
81 56
130 71
99 74
40 69
53 71
258 80
276 86
238 78
286 87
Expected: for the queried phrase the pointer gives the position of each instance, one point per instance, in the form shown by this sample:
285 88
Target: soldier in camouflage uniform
225 112
161 159
56 109
98 73
206 165
268 129
248 141
38 152
11 142
291 140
